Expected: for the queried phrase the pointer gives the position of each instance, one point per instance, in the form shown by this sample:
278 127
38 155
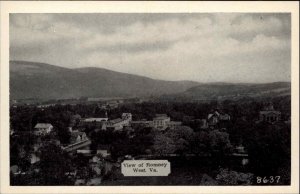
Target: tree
62 132
200 143
180 132
53 166
219 142
229 177
164 145
269 148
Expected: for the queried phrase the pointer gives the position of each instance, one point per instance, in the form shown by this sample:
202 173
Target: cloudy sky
201 47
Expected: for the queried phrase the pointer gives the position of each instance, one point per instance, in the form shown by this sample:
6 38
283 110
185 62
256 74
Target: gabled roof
75 134
42 125
115 121
210 115
218 114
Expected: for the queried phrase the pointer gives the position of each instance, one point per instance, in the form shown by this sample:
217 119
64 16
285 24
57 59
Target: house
42 128
215 117
77 136
269 114
160 121
127 116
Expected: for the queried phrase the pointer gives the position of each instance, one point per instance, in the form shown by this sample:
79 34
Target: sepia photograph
150 99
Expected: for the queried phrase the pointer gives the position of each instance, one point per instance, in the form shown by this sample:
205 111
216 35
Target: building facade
161 121
269 114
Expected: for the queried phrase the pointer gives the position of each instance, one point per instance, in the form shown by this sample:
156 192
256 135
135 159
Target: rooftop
95 119
42 125
114 121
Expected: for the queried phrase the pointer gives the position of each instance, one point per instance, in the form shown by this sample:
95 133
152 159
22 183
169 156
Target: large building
161 121
119 123
269 114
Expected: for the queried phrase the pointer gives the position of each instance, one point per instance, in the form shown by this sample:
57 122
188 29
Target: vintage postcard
149 97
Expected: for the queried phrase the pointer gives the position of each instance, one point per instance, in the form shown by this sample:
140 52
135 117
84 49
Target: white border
144 7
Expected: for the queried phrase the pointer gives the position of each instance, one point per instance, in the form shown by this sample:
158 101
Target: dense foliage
268 145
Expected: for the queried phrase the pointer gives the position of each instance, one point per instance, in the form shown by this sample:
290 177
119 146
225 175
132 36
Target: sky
203 47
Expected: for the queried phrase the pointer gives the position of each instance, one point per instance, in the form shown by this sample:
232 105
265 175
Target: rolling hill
223 91
44 81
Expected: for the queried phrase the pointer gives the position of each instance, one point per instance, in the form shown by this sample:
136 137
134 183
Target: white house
42 128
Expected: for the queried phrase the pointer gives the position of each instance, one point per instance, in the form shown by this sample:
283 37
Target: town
85 144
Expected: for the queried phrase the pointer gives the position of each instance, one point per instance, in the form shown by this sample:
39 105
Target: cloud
200 47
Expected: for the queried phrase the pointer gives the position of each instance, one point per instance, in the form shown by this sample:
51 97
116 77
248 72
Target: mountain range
232 91
44 81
